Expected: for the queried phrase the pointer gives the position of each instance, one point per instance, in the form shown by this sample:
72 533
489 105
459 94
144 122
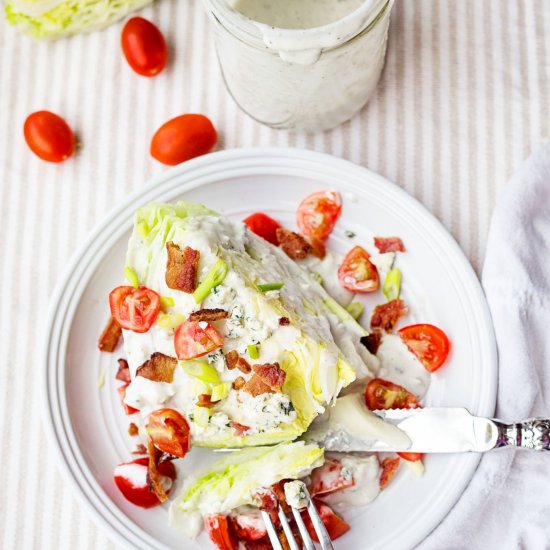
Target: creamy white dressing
383 262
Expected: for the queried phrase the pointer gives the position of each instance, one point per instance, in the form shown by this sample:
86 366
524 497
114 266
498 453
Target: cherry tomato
49 136
134 309
122 394
168 431
143 46
196 338
411 457
381 394
357 273
334 524
328 478
131 479
183 138
263 226
249 526
217 527
318 213
430 344
389 468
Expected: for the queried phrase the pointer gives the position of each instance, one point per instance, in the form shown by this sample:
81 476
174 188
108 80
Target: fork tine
308 543
318 525
288 531
271 531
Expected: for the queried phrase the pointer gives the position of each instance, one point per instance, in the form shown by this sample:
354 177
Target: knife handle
530 434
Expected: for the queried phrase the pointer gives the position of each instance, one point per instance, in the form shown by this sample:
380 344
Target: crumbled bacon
154 482
284 321
238 383
240 429
271 374
256 386
372 341
385 316
205 400
132 429
293 244
233 360
110 336
123 372
243 366
389 244
318 248
159 368
208 315
181 268
389 467
140 449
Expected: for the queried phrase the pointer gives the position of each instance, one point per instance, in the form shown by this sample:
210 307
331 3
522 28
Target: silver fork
322 535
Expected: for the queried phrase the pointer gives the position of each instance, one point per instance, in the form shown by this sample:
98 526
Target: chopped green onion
143 229
355 309
200 387
166 302
214 277
220 391
131 276
392 284
201 370
170 322
101 380
270 286
252 351
201 416
317 277
332 305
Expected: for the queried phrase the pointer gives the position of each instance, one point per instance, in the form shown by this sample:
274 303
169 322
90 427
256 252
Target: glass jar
303 79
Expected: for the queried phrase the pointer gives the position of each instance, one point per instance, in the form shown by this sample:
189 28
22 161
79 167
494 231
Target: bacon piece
284 321
110 336
389 467
243 366
293 244
272 375
238 383
140 449
240 429
231 359
386 315
208 315
123 372
154 482
372 341
181 268
159 368
132 429
205 400
318 248
256 386
389 244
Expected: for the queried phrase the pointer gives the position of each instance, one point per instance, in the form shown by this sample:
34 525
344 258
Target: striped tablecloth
465 95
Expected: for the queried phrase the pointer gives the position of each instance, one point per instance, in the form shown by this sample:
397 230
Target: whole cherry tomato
143 46
49 136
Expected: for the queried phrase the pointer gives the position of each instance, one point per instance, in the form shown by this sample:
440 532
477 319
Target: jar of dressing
300 64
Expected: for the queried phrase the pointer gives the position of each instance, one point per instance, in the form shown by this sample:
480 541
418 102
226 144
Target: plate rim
53 423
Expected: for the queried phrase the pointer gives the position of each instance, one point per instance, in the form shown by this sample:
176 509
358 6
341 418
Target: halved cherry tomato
264 226
318 213
134 309
381 394
249 526
389 468
48 136
131 479
143 46
411 457
183 138
357 273
195 339
328 478
122 394
429 343
169 431
335 525
217 527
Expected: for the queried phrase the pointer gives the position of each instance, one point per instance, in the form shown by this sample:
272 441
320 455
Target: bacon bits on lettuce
234 361
293 244
386 316
208 315
256 386
159 368
389 244
272 375
182 268
108 340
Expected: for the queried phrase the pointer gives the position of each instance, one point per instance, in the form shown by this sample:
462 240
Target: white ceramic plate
87 426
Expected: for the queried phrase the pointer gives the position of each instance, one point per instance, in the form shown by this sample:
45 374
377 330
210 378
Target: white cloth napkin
507 504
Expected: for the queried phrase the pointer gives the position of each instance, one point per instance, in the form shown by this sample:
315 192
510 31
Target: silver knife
435 430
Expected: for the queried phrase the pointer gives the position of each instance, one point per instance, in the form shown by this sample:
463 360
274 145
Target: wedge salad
242 335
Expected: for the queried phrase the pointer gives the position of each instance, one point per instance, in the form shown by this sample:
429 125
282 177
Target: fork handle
531 434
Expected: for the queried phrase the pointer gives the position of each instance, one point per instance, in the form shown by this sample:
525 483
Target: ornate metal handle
530 434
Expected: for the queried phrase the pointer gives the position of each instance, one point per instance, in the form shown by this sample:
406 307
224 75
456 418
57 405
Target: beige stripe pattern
464 97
